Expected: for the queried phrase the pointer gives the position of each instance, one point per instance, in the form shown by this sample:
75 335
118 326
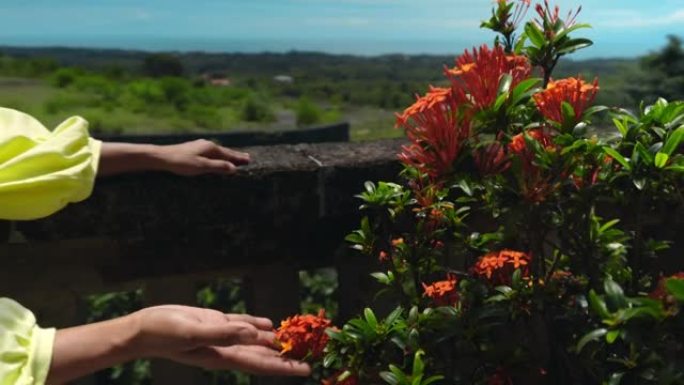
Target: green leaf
673 141
676 287
523 90
614 294
568 112
574 45
382 278
389 378
589 337
566 31
535 35
642 153
661 159
593 110
329 359
612 335
619 158
615 378
370 318
394 316
432 379
418 365
598 305
505 84
500 101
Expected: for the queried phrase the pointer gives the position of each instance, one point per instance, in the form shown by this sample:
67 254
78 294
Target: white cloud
626 19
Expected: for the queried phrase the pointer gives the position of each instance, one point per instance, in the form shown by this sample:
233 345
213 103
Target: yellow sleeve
25 348
43 171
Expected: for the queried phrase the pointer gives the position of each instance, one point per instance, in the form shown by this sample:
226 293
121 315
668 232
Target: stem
548 69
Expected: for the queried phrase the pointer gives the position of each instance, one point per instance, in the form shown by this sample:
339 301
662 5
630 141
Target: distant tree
670 60
161 65
662 74
64 77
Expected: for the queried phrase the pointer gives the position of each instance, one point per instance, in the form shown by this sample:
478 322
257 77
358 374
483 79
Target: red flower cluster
535 185
303 336
498 266
573 91
477 75
442 293
436 130
660 292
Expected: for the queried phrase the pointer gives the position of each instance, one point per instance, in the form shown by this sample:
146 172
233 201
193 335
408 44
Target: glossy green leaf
661 159
598 305
535 35
618 157
591 336
370 317
676 287
673 141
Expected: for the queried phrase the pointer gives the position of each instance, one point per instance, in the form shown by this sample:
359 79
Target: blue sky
621 28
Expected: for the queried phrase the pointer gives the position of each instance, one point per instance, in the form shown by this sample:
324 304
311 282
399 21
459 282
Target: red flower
442 293
491 159
498 266
303 336
573 91
477 75
660 292
535 184
437 131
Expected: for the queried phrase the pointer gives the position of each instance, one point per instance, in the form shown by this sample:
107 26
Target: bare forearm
83 350
119 158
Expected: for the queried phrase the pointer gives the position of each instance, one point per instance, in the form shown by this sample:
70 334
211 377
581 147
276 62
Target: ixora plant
522 246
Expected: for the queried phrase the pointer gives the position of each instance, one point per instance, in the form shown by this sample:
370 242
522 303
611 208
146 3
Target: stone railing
289 210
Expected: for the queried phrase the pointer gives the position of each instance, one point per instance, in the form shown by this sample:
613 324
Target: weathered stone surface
293 203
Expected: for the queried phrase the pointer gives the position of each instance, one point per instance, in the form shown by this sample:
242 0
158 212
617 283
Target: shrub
255 109
308 113
519 246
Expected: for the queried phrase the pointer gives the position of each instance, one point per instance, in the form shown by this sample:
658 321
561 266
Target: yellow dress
40 173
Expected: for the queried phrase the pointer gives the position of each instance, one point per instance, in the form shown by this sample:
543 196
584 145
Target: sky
624 28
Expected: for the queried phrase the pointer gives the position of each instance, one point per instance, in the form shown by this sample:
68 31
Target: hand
193 336
189 158
201 157
213 340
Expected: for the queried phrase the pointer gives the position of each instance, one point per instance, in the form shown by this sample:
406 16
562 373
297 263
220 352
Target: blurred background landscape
171 67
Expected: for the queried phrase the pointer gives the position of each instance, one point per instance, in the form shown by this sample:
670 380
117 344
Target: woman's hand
213 340
190 158
194 336
201 157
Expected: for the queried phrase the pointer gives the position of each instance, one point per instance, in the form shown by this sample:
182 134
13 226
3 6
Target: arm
190 158
193 336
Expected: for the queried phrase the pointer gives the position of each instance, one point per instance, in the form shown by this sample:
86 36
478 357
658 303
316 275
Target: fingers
257 360
224 333
215 151
216 166
260 322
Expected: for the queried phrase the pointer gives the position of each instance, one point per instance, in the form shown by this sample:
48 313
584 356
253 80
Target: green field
139 92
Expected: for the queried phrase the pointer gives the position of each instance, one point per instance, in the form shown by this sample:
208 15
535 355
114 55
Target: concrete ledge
293 203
